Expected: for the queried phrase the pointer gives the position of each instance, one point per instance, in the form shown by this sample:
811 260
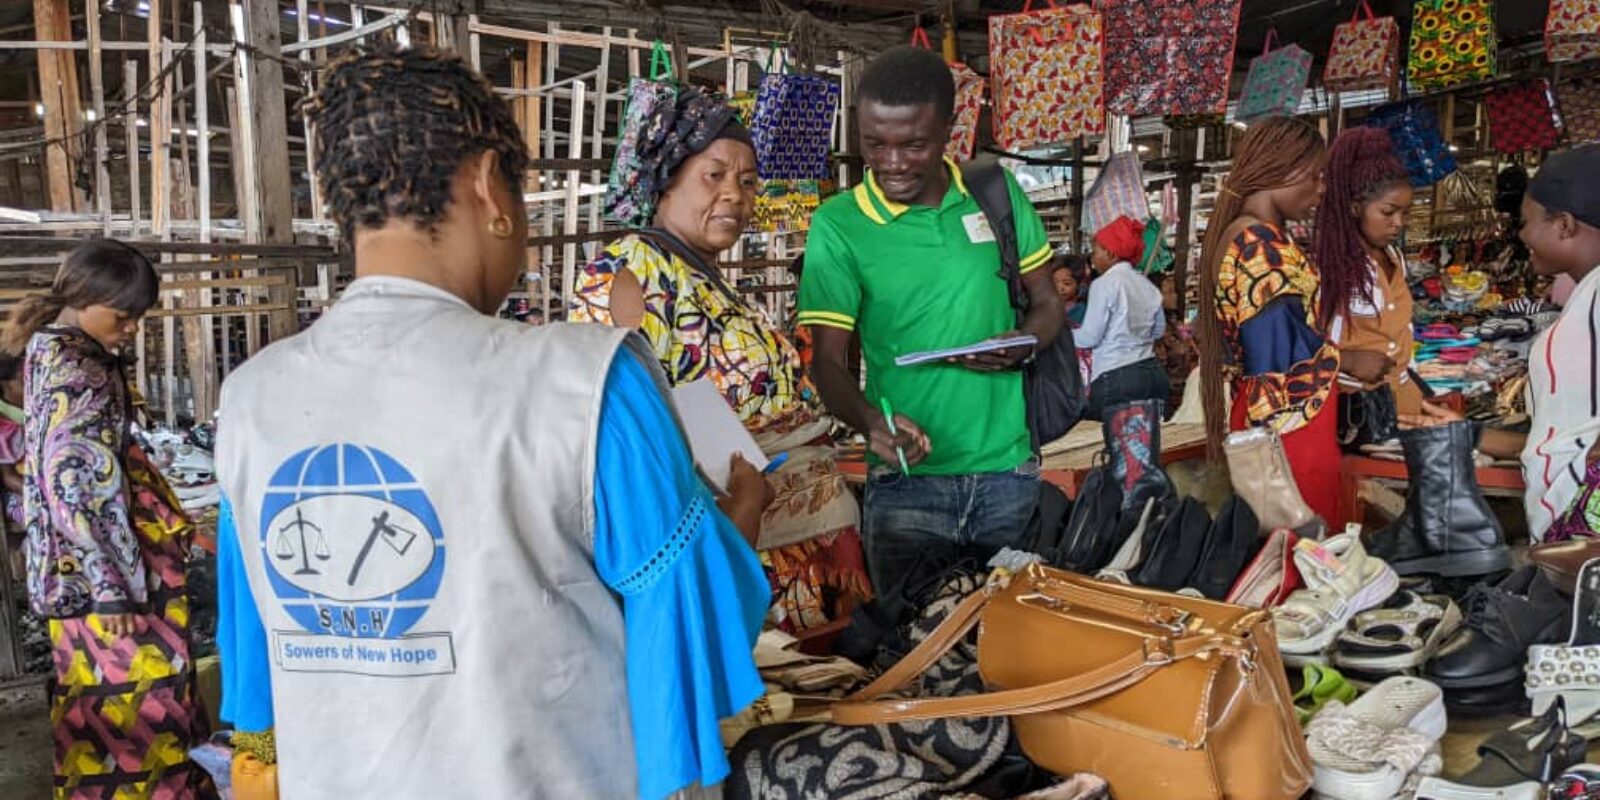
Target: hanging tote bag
1169 57
631 191
1523 118
1365 54
1047 74
1414 129
1452 42
1580 110
1276 82
1165 696
970 88
1572 30
1118 191
792 129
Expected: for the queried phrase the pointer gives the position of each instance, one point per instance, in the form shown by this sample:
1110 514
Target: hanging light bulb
38 109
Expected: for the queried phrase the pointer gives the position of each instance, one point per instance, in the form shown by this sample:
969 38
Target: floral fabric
1523 118
1580 110
631 190
88 492
1572 30
1452 42
1582 518
1169 56
1267 300
1276 83
1365 54
1048 76
970 89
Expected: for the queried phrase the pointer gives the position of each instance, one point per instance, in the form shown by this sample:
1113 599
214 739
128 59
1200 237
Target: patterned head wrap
671 132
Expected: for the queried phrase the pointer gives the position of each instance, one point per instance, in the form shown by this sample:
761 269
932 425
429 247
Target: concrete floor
25 748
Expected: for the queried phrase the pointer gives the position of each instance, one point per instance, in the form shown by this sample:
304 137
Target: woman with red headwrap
1122 323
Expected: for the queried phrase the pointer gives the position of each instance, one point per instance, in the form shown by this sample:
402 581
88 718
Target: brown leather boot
1560 561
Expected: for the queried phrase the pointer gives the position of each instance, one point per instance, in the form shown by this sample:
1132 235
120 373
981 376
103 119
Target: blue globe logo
353 546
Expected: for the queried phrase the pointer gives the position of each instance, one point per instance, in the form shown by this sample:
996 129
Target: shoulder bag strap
986 179
672 245
861 708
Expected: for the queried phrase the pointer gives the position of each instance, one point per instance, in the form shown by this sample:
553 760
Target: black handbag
1051 380
1367 417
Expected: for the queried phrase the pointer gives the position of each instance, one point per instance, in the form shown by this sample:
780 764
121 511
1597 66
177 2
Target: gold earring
501 227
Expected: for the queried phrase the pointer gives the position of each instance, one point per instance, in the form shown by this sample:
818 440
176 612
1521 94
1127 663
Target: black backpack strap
986 180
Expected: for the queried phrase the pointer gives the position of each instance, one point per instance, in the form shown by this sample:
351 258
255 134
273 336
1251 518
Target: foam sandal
1367 750
1516 763
1401 634
1341 581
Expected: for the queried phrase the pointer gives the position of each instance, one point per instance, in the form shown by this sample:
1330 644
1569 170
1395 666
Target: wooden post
199 332
270 123
58 89
569 217
1184 181
97 91
602 80
1076 230
130 130
303 26
159 135
161 218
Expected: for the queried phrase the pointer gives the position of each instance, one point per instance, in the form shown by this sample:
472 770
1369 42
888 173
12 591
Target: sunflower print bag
1452 42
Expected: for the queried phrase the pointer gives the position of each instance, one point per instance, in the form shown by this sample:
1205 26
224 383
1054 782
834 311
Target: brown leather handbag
1164 696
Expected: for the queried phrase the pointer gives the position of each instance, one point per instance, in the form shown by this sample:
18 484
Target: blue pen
888 415
777 461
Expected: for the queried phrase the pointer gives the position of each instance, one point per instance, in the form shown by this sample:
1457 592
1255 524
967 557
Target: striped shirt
1564 401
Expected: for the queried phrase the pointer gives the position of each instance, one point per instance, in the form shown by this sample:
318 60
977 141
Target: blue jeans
914 524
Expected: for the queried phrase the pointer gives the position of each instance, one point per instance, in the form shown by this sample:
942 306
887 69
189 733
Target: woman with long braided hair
1365 298
1259 305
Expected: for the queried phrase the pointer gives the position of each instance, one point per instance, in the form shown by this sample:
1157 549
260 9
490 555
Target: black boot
1234 539
1133 438
1447 528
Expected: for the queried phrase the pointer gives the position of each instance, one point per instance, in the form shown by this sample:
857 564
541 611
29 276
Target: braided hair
393 126
1361 166
1272 154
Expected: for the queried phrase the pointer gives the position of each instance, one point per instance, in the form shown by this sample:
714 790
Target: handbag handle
1272 36
1038 38
860 708
919 38
1364 7
660 61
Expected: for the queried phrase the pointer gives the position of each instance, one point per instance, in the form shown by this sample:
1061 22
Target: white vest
413 487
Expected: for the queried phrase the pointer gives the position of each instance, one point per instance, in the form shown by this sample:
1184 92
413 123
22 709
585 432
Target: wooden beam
97 92
308 77
199 335
58 89
160 132
130 101
270 122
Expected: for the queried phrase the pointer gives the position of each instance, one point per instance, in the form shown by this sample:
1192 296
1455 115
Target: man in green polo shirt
908 261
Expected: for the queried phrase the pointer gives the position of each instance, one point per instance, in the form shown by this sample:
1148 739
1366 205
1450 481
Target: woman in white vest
460 556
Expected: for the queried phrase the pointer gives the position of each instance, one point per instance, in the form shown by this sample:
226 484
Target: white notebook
990 345
715 432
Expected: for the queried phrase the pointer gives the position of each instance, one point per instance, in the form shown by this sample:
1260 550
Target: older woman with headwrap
691 185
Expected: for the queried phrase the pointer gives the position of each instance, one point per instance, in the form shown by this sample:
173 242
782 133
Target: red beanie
1123 238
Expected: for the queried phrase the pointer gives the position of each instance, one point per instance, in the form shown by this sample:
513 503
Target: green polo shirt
914 278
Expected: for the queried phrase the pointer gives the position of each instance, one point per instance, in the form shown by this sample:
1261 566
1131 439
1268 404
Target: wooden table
1068 460
1493 480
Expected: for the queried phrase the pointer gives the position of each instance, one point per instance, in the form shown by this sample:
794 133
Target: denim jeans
933 519
1141 380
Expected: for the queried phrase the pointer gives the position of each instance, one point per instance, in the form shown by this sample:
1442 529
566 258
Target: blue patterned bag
1414 129
793 126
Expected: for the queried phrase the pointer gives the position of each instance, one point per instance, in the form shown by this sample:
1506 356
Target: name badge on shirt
978 230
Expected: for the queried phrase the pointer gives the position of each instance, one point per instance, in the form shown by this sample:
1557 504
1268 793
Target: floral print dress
700 330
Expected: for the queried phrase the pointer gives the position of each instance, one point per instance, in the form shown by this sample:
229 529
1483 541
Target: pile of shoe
187 465
1517 763
1379 746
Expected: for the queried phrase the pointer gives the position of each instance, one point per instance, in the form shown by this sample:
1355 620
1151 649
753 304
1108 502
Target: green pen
888 416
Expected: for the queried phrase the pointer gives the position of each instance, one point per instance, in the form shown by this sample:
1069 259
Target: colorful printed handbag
1276 83
970 87
793 126
1523 118
1580 110
1414 129
1365 54
1572 31
631 194
1169 56
1047 74
1452 42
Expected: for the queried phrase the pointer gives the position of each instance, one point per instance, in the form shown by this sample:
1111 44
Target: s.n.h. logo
355 554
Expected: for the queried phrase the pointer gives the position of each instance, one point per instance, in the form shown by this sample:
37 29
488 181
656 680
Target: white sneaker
1368 750
1340 580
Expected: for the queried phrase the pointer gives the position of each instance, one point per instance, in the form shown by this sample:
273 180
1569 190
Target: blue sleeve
1277 338
241 638
693 592
1098 316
